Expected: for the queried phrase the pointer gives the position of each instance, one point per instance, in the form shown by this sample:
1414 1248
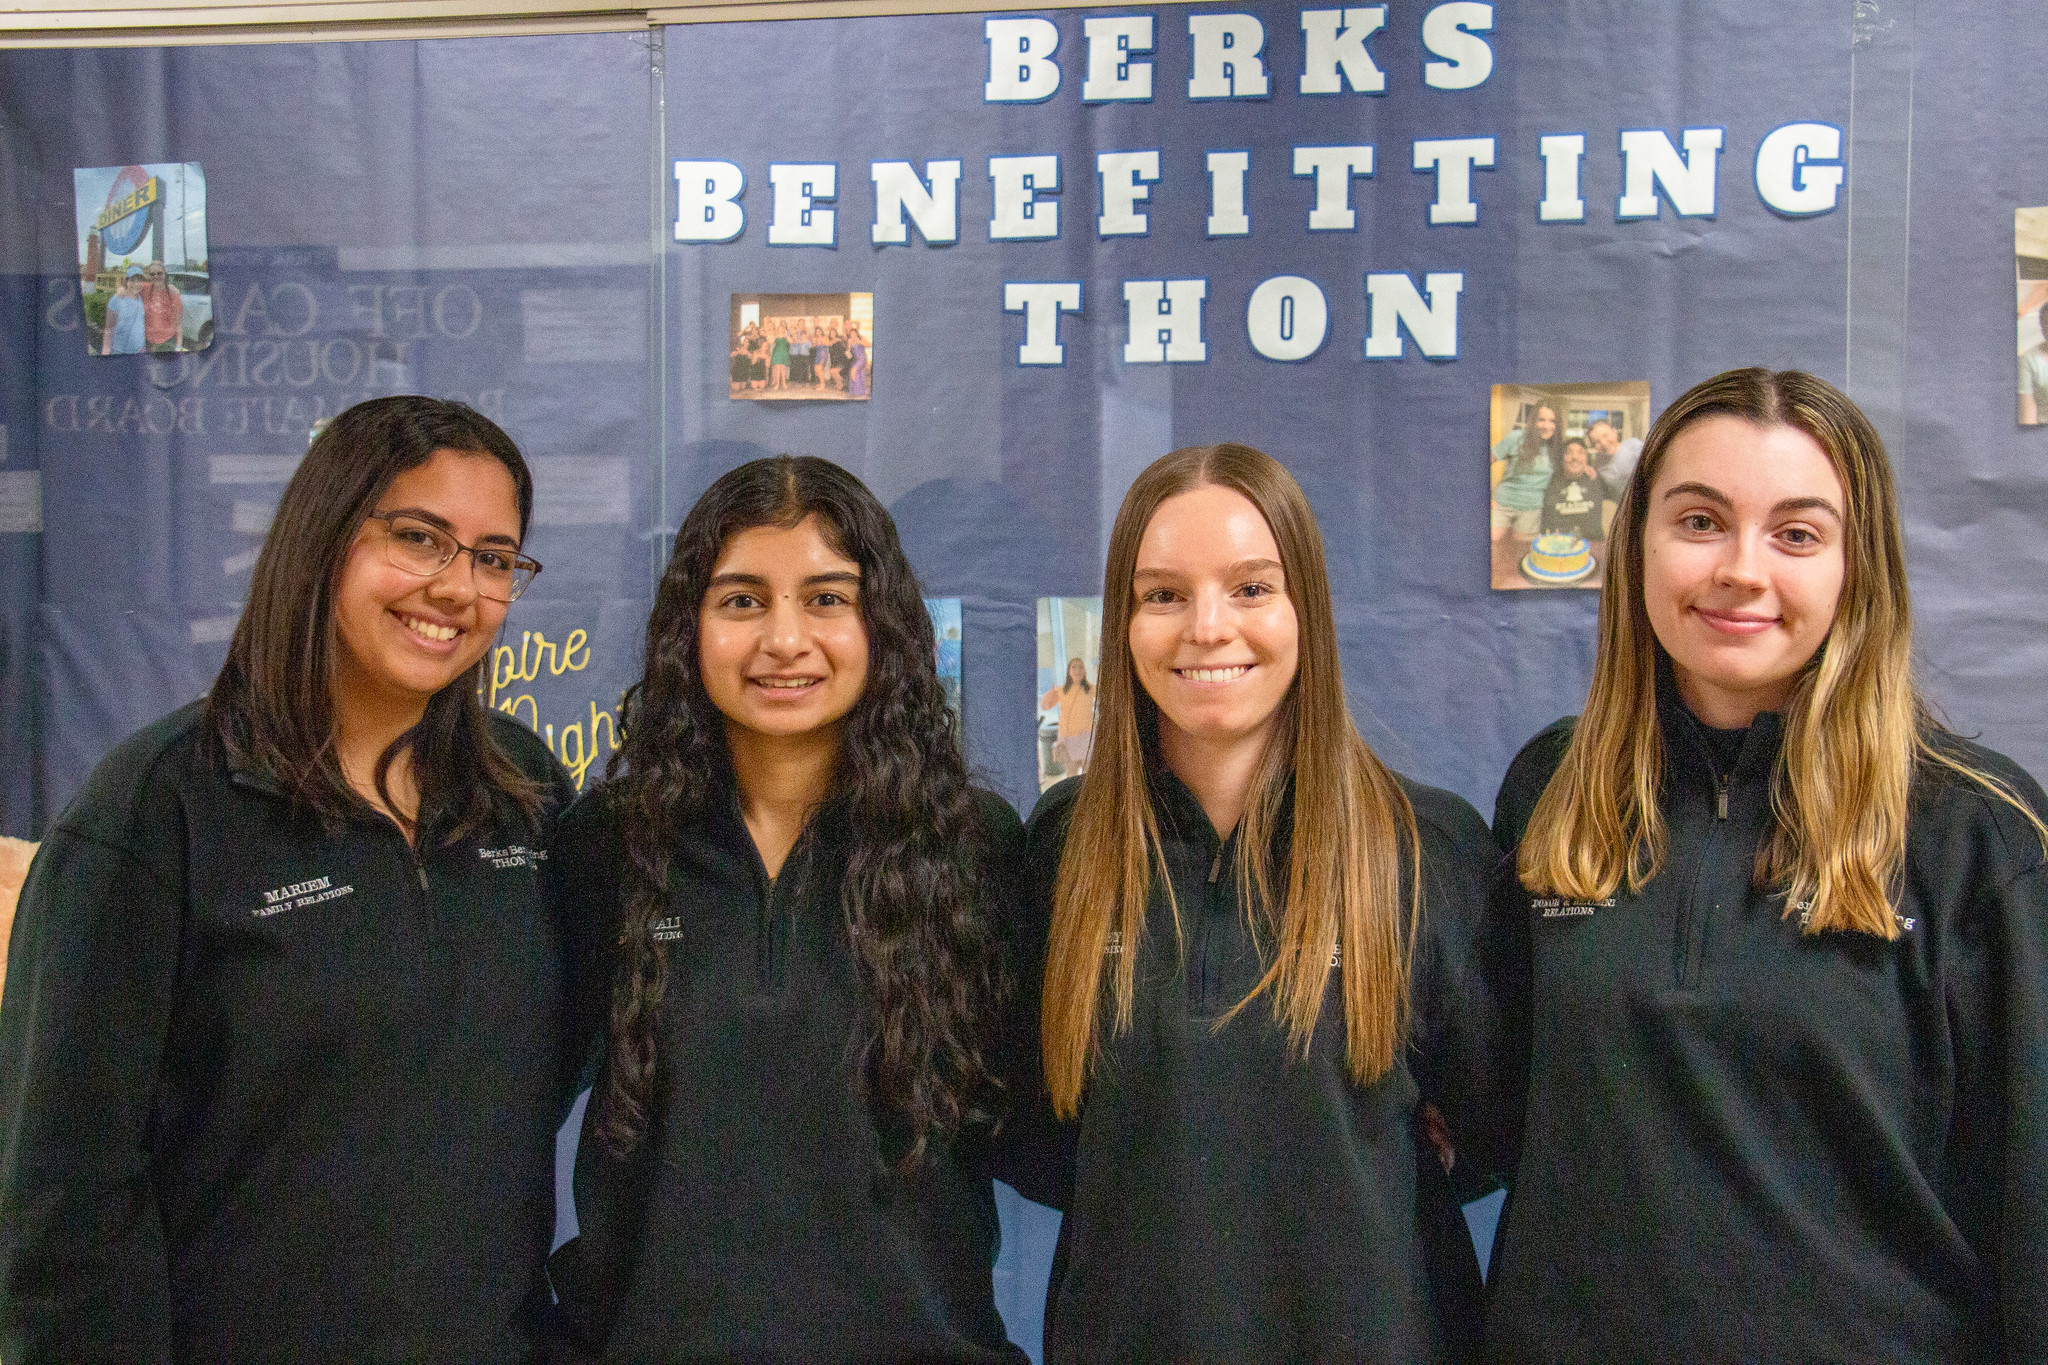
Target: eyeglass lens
419 548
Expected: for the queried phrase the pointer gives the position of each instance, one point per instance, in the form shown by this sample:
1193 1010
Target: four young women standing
1767 962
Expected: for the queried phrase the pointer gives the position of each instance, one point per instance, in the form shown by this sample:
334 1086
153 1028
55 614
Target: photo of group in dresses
815 346
1069 651
2030 275
1560 456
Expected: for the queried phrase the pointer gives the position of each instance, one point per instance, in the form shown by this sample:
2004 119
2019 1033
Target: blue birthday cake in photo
1557 559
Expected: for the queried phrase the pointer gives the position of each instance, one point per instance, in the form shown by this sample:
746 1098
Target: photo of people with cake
1560 456
816 346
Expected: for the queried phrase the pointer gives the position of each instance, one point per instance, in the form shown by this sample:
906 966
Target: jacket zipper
1686 954
1202 933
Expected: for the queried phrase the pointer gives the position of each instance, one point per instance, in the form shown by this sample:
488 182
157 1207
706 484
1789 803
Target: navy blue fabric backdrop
499 220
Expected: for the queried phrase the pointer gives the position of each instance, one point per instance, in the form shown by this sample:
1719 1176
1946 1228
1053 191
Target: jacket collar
1686 745
1180 813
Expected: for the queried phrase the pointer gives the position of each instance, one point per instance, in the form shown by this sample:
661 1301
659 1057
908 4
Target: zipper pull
419 868
1721 798
1216 866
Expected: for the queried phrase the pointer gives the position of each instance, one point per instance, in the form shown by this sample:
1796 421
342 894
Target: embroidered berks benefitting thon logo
1556 907
514 855
299 895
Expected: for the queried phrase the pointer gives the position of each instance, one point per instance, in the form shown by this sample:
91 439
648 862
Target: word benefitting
1798 174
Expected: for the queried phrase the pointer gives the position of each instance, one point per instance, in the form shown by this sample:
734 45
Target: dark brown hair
915 890
272 707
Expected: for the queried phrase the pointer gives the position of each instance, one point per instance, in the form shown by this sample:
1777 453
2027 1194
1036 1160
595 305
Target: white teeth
785 683
1214 675
428 630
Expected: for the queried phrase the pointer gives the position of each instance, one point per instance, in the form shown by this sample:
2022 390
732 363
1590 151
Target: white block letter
1227 64
1333 168
1561 155
1020 214
1648 160
1166 321
1127 179
795 221
1452 33
1336 43
1452 159
1112 75
1041 305
1020 65
707 207
1287 318
1395 305
1227 217
1799 168
935 208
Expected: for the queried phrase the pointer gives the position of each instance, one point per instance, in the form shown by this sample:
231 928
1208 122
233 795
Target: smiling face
1604 438
1213 635
1743 563
403 637
782 648
1546 423
1574 458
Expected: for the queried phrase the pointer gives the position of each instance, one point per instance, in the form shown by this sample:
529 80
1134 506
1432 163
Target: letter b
707 194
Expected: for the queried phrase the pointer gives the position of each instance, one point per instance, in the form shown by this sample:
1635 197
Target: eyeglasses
420 547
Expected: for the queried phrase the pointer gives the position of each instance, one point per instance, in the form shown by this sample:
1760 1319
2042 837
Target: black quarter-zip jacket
1228 1200
1744 1143
274 1092
762 1219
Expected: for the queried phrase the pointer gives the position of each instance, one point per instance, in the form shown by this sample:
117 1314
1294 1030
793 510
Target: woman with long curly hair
1257 973
1777 940
793 898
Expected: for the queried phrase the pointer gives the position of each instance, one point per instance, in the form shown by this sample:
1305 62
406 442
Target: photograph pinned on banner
142 263
1561 454
2030 260
1069 653
817 347
945 614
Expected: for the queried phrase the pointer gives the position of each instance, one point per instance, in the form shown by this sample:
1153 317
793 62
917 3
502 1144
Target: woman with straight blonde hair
1778 941
1257 969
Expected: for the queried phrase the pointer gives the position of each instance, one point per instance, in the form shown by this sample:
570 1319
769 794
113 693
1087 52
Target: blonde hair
1855 727
1352 825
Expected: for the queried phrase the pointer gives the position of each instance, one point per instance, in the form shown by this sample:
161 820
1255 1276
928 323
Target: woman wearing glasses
281 1044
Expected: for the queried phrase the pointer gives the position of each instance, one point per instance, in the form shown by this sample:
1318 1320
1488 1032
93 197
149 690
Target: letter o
1287 318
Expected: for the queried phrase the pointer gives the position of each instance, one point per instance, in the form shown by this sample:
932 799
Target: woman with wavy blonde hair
1257 970
1778 938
